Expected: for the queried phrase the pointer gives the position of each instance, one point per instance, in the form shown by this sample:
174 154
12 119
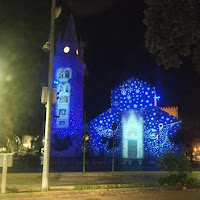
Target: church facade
143 129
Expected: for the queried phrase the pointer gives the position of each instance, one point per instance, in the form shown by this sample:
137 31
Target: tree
22 68
187 138
6 136
175 163
173 31
61 144
179 169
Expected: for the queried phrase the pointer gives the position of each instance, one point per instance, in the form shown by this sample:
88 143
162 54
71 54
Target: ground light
84 137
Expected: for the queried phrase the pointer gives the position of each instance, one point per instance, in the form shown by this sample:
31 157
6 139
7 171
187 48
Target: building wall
26 140
172 110
67 120
143 130
67 117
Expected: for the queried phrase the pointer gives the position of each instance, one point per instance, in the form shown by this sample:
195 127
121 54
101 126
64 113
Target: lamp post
84 142
49 104
114 127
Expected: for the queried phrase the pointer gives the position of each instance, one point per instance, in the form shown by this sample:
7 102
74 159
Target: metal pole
84 142
49 104
4 173
113 152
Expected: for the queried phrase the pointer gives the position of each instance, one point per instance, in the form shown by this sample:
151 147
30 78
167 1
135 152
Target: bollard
4 173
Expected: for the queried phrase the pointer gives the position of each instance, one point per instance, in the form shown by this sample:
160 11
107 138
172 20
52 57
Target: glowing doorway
132 135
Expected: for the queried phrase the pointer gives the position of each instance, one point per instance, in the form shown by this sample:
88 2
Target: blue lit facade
67 123
143 129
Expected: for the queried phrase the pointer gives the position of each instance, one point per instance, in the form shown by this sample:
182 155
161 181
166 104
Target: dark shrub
179 168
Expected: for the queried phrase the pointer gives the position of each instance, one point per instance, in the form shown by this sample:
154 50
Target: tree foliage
173 31
187 136
109 142
175 163
22 67
61 144
183 137
179 169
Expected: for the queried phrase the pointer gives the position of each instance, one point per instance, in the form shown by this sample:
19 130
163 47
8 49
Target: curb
56 188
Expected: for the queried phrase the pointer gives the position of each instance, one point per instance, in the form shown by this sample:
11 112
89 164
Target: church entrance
132 134
132 149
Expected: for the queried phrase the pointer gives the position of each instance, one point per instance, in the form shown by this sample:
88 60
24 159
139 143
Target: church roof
68 39
133 94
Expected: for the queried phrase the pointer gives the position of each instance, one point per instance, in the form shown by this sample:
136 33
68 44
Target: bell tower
67 114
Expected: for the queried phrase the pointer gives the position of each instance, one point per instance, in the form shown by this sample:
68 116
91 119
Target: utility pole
113 157
84 142
114 127
4 173
45 175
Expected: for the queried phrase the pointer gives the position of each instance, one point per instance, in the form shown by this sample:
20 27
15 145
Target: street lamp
114 127
49 103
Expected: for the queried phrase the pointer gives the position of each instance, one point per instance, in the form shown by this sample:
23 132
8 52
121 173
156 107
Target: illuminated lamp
66 49
25 145
86 138
77 52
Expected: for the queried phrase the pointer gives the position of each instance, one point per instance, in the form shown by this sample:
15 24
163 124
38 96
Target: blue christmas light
157 97
67 128
56 82
68 73
143 129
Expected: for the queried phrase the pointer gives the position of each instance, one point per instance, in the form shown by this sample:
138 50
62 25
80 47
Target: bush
177 180
179 168
175 163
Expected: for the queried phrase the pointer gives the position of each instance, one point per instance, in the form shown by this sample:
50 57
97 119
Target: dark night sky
113 35
115 50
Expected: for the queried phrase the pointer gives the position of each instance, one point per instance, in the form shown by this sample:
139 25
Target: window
62 112
63 99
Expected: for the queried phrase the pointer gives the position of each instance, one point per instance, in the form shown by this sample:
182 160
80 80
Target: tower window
62 112
63 99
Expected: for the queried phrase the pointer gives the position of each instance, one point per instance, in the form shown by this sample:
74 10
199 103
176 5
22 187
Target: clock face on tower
66 49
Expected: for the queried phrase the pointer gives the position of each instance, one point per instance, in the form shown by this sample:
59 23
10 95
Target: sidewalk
108 194
22 182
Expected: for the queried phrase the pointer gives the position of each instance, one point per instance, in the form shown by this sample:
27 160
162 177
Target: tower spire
69 39
68 81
